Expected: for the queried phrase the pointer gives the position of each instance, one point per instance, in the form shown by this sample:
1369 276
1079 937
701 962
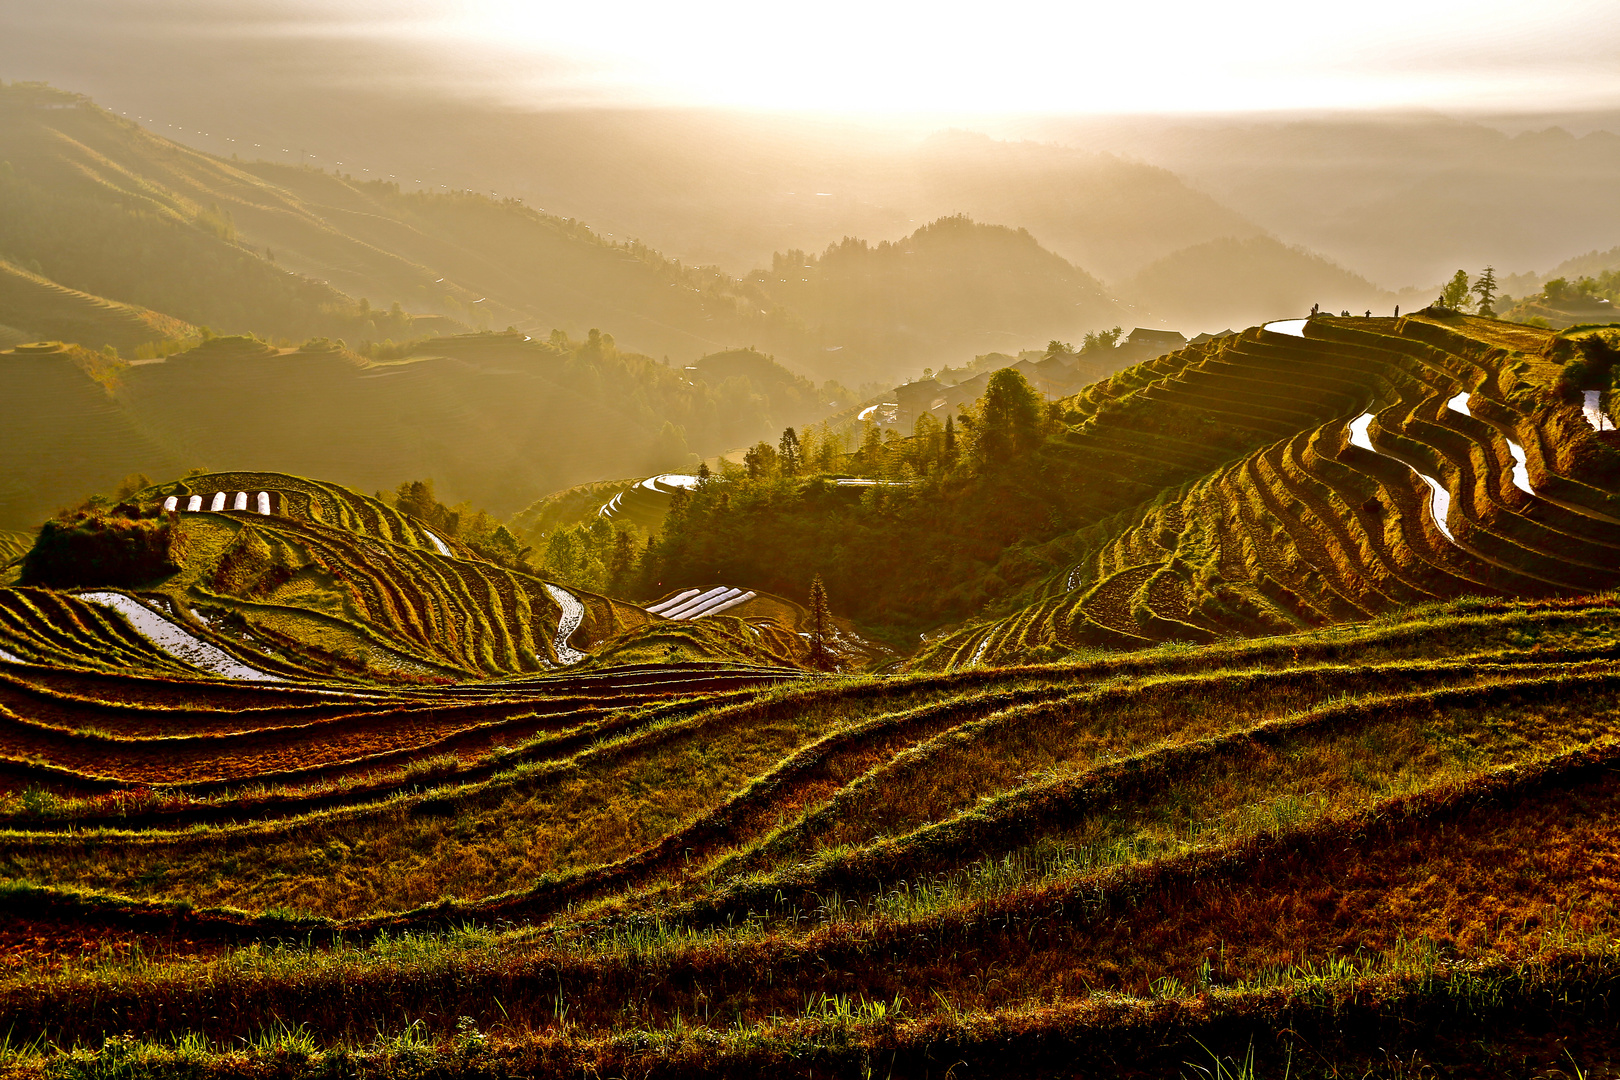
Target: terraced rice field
645 502
1324 471
48 310
1388 841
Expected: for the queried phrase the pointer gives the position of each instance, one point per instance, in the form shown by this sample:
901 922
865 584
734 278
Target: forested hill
495 418
954 288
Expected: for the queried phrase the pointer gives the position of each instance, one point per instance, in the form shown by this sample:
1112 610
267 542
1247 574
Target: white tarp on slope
573 613
673 602
176 640
712 603
1459 403
693 608
729 604
438 545
1439 497
1292 327
693 604
11 659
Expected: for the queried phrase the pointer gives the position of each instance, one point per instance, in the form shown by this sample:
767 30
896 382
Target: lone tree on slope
820 625
1485 289
1456 291
1008 420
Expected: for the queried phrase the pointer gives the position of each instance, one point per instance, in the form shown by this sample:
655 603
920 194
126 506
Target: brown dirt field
332 748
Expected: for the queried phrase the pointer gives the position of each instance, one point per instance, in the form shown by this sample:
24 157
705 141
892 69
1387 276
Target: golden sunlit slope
102 205
43 309
97 205
1290 481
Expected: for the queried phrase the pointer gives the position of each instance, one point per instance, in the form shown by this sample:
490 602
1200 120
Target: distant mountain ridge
1233 281
495 418
952 288
100 205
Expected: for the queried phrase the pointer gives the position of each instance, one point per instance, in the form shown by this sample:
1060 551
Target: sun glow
883 57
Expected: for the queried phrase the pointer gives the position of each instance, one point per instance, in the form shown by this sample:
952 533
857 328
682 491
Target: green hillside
97 203
1563 302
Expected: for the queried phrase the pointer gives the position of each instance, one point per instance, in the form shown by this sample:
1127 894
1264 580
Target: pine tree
950 440
788 448
820 625
1485 289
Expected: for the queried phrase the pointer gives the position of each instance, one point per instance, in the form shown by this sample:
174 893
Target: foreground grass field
1383 848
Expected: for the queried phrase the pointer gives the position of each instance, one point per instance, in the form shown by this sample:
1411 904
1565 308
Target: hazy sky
878 56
